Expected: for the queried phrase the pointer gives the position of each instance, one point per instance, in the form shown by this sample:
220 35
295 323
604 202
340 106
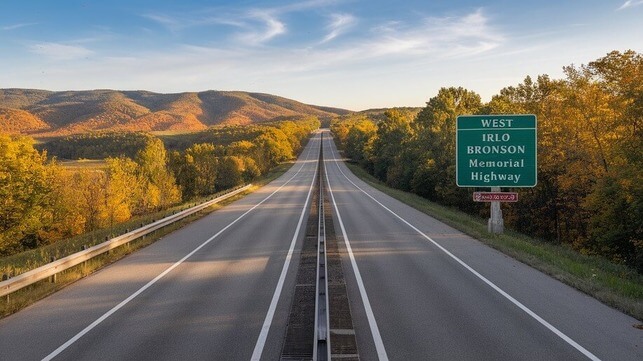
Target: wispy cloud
254 26
169 22
17 26
58 51
305 5
438 37
340 24
269 27
630 4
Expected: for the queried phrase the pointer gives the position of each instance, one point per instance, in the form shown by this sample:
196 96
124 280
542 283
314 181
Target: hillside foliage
46 114
590 154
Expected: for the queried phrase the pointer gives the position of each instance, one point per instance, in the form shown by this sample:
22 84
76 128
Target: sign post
496 151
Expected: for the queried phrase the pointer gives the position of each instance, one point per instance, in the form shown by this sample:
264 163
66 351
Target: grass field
615 285
91 164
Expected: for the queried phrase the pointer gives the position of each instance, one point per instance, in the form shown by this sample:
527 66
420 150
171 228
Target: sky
352 54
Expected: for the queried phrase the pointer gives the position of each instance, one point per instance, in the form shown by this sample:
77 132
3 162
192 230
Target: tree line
41 201
590 154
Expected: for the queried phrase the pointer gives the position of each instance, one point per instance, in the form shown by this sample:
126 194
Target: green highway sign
496 151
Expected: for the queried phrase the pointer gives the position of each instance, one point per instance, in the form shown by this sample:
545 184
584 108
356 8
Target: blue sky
345 53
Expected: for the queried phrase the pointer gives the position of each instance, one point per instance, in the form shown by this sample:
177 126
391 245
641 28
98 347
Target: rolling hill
42 113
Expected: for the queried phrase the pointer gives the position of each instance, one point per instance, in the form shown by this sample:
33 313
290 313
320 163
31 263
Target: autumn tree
122 190
25 194
159 184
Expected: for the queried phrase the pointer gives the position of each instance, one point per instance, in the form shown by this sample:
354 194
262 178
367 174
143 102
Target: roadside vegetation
45 201
589 197
31 259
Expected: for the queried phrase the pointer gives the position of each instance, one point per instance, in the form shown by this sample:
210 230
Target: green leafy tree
435 142
230 173
393 134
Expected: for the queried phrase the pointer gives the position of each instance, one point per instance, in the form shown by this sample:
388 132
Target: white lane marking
265 328
102 318
375 332
531 313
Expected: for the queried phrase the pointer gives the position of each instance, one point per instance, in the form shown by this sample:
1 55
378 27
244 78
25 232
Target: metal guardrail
321 347
50 269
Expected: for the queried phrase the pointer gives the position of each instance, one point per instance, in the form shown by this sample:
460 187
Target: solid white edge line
375 332
265 328
102 318
531 313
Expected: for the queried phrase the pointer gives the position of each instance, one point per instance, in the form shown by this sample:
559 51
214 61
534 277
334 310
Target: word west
496 123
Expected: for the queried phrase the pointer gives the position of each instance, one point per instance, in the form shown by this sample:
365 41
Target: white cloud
257 26
630 4
270 28
435 37
167 21
340 24
17 26
57 51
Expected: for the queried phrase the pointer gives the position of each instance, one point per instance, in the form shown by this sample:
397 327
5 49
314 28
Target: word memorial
496 151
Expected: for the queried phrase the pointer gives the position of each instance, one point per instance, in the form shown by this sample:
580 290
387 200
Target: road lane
210 306
428 306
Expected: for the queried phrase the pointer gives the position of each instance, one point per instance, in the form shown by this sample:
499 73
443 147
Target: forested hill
44 113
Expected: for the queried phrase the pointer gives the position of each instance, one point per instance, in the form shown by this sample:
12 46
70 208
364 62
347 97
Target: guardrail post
52 279
4 278
82 248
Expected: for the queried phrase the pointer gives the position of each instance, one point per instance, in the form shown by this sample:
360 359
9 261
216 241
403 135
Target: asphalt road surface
437 294
221 287
211 306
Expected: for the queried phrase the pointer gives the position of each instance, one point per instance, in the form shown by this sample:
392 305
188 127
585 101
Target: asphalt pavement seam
517 303
98 321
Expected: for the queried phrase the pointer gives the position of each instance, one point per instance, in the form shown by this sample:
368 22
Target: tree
435 142
161 187
25 194
91 186
122 189
272 148
359 139
230 174
393 132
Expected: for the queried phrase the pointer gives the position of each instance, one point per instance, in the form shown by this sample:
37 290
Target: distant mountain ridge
53 113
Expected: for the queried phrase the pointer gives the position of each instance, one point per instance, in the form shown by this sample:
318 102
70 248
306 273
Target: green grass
91 164
25 261
615 285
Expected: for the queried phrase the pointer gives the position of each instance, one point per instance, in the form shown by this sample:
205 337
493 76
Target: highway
211 306
437 294
221 289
